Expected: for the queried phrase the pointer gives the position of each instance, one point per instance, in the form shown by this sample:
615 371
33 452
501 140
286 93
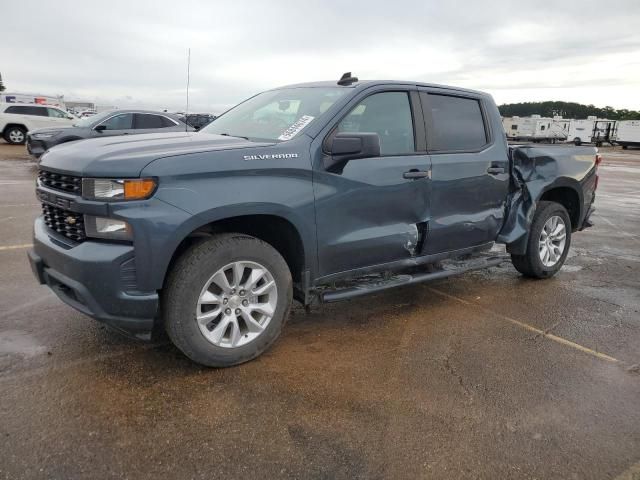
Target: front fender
214 187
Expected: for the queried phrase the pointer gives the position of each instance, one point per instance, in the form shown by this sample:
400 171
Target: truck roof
368 83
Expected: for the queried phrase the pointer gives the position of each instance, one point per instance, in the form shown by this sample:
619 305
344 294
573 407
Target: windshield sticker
293 130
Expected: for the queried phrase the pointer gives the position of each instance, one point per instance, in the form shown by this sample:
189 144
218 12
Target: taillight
598 159
598 162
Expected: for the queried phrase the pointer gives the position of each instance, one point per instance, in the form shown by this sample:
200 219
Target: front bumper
93 277
36 147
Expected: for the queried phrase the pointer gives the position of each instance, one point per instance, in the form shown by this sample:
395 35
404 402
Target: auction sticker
293 130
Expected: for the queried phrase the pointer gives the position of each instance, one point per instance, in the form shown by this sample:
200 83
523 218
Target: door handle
495 170
415 174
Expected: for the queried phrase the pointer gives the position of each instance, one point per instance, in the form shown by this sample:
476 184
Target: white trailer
627 133
9 97
580 131
591 130
534 128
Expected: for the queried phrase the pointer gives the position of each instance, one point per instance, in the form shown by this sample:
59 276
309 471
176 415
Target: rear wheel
577 142
15 135
549 242
227 299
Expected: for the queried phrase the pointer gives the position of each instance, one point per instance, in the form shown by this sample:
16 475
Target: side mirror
100 128
351 146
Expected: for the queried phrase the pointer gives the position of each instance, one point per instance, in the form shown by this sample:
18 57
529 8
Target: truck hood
126 156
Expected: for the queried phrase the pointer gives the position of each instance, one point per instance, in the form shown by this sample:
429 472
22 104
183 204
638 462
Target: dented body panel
538 171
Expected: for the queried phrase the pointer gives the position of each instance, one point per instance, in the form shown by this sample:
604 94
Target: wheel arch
280 231
14 124
567 195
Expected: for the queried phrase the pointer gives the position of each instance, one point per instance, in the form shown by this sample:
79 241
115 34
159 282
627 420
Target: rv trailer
627 133
591 130
534 129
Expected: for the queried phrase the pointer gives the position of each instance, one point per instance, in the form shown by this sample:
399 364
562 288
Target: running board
405 279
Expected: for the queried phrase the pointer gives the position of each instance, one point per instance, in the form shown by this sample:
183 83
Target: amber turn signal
139 188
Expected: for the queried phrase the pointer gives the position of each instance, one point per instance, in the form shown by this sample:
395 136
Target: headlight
44 134
115 190
108 228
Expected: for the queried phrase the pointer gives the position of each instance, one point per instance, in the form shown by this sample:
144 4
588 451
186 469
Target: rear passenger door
470 169
151 123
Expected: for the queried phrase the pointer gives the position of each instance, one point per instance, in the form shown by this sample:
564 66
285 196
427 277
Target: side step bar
402 280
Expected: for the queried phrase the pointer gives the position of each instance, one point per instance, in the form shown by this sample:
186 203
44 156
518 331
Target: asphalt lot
486 375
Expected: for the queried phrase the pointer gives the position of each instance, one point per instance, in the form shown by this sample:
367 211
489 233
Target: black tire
625 147
13 132
187 278
577 142
530 264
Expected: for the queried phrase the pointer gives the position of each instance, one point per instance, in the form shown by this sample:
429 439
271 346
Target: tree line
566 110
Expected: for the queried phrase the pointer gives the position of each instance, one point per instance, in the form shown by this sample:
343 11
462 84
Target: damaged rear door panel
470 169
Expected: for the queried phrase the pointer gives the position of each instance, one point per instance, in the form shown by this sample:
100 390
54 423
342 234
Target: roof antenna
186 113
347 79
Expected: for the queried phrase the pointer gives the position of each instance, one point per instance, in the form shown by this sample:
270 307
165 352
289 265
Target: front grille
58 181
65 222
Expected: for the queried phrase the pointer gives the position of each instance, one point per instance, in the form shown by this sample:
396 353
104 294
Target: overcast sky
133 53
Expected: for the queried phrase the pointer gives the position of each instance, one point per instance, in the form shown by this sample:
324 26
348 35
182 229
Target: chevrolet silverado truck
317 192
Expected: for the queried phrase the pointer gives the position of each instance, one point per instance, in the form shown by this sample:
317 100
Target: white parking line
526 326
16 247
20 205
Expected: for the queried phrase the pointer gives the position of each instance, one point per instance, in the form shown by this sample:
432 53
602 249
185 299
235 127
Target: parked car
319 192
16 120
198 120
106 124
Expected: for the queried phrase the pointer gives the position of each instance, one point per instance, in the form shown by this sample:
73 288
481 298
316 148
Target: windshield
89 121
276 115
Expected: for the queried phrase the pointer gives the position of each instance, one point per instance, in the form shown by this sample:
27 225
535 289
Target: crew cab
18 119
320 192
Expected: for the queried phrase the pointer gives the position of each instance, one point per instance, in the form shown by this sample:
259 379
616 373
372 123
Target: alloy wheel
552 241
236 304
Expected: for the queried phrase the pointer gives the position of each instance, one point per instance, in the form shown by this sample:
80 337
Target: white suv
16 119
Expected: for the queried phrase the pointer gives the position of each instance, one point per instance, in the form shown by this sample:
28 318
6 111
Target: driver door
373 211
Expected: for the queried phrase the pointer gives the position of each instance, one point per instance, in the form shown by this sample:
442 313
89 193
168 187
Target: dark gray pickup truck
319 192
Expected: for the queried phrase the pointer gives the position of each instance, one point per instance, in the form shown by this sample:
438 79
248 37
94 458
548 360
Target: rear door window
147 121
457 123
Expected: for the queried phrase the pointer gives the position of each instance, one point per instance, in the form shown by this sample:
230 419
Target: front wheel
227 299
577 142
549 242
